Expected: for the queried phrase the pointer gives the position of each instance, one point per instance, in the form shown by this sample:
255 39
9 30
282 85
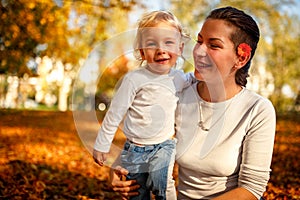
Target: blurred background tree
66 30
275 68
64 33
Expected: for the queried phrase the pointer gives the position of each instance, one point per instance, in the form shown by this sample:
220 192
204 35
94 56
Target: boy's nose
161 50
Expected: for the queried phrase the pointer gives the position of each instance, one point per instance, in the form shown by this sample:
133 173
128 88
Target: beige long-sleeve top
147 102
236 151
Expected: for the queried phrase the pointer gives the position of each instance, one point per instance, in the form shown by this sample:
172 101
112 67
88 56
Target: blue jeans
151 166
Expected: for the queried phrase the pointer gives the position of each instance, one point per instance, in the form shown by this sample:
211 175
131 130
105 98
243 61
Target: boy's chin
159 69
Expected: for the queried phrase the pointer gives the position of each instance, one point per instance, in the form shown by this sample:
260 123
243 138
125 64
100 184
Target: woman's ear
242 61
243 55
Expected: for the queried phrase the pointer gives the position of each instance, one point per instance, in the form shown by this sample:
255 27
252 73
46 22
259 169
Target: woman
225 132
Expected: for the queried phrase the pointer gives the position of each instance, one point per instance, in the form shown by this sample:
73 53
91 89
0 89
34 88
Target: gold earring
233 68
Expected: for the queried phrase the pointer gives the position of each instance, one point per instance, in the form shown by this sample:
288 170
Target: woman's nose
199 50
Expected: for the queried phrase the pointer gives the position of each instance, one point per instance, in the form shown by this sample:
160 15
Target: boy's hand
99 157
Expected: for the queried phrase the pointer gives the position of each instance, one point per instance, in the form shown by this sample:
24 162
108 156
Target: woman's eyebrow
212 39
216 39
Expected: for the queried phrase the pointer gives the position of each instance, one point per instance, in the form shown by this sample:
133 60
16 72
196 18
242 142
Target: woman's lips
201 65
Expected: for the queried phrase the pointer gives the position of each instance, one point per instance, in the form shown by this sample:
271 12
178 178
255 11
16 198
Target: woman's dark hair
246 31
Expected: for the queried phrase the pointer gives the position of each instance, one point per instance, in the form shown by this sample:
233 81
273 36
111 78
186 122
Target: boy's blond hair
152 19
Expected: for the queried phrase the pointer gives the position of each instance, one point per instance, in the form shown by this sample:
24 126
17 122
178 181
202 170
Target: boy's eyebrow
163 38
171 38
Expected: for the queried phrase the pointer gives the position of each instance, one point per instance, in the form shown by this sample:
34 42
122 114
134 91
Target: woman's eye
199 41
214 46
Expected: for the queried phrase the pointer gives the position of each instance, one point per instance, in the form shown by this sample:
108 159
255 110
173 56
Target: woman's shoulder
255 100
254 96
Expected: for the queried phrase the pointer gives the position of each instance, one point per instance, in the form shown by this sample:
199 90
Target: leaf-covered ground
42 157
284 183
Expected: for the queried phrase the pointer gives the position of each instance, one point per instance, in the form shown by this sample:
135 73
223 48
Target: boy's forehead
160 32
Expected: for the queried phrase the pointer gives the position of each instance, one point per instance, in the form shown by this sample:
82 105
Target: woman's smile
201 65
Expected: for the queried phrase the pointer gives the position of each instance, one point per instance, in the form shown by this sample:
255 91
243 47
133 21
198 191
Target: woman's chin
198 76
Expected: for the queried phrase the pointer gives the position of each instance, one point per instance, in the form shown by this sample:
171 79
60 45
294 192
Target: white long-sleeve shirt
148 102
236 151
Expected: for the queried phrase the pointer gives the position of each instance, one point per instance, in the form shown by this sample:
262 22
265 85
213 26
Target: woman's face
214 53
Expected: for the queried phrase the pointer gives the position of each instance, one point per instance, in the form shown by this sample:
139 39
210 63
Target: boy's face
161 47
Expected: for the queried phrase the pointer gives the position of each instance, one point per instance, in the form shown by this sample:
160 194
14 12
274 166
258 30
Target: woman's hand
119 183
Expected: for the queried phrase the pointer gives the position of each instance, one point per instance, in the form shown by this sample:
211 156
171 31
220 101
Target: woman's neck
218 92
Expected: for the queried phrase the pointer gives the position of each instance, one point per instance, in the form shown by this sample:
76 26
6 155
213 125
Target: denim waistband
132 146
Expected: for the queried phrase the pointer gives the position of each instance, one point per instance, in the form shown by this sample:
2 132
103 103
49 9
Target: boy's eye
169 42
150 44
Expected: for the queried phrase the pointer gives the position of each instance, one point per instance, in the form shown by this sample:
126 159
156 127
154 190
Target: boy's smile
160 47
